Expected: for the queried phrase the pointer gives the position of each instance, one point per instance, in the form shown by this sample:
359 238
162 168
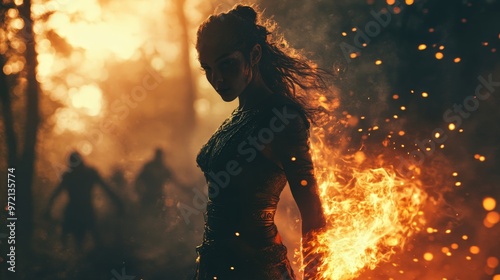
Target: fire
370 211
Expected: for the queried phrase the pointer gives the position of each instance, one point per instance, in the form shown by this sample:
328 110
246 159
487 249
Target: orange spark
489 203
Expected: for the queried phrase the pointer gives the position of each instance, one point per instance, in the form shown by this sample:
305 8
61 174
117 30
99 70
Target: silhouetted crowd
79 180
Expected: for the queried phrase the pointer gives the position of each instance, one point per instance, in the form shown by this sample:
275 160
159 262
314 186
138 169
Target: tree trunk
26 169
8 120
189 120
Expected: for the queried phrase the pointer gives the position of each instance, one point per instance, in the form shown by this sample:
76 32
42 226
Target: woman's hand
293 150
312 259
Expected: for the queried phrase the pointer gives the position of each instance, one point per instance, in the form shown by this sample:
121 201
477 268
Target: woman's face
225 69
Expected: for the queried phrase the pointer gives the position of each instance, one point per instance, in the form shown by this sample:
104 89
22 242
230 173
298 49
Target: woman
261 146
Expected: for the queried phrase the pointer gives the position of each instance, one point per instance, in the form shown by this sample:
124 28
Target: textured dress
247 163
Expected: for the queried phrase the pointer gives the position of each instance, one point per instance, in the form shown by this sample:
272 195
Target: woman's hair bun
246 12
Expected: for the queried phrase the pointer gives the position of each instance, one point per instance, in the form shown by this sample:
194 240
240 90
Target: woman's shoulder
283 107
276 99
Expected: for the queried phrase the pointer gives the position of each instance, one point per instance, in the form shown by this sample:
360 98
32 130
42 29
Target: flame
370 211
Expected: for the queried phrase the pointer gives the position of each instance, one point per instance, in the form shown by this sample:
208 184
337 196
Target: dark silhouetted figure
118 179
79 217
150 183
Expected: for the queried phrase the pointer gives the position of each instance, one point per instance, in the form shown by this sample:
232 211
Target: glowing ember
491 219
474 250
422 47
428 256
492 262
489 203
